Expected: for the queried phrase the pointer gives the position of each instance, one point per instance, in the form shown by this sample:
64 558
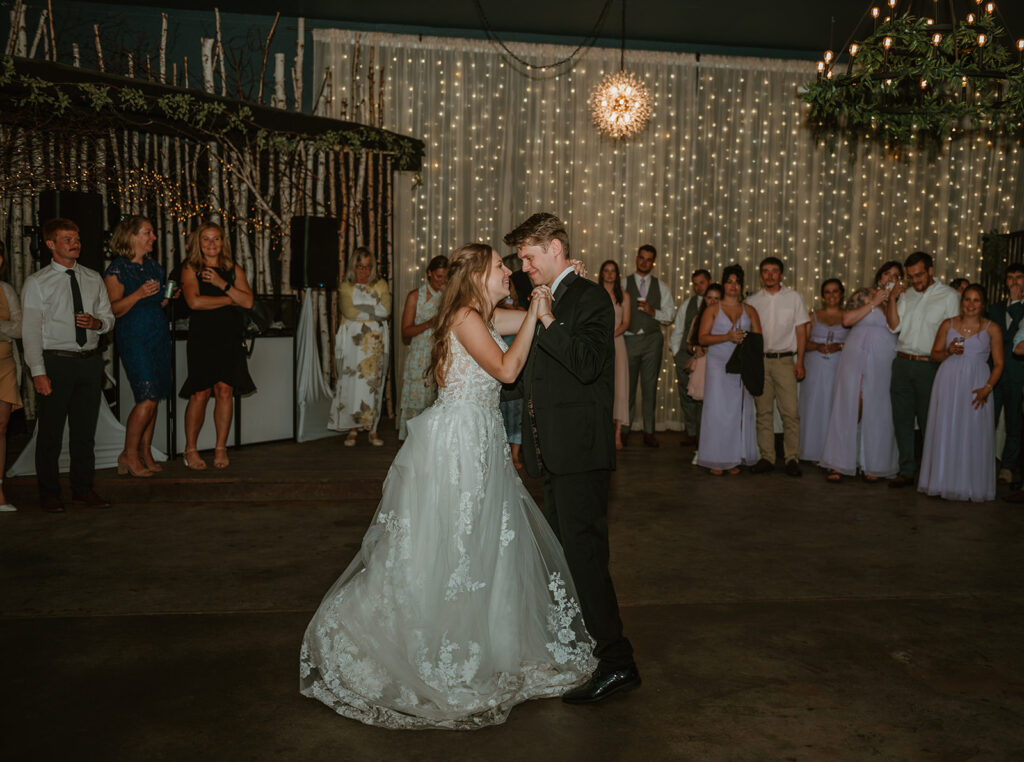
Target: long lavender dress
728 434
817 389
865 369
959 444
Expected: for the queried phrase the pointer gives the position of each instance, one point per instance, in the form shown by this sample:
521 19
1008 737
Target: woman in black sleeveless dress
216 290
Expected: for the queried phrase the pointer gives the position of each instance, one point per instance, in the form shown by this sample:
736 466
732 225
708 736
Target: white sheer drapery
726 172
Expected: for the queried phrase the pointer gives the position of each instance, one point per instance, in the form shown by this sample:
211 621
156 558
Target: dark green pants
910 391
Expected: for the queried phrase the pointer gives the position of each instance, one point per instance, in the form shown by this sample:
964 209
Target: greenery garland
34 98
902 88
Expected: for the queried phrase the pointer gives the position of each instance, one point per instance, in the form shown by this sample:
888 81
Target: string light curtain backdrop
727 171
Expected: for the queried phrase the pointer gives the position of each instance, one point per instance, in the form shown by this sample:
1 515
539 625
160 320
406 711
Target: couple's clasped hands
541 301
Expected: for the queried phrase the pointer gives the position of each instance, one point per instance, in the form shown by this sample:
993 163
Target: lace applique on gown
459 604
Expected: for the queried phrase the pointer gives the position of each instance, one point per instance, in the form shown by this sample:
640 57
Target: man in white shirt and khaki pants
783 316
916 316
65 309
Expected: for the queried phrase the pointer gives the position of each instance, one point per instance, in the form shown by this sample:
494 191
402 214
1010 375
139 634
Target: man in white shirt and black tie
651 308
916 315
65 309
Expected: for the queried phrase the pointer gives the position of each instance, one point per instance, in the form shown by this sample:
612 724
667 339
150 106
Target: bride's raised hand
578 267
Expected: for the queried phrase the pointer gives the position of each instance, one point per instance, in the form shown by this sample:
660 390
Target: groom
568 438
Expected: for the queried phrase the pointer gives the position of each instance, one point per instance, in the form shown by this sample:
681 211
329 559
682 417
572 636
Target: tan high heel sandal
197 464
124 468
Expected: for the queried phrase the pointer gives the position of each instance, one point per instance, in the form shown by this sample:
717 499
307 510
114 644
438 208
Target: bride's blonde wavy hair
467 272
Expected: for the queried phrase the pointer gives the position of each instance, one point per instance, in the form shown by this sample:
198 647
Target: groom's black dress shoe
603 685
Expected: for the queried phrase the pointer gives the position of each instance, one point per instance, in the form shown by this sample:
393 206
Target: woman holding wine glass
825 336
728 435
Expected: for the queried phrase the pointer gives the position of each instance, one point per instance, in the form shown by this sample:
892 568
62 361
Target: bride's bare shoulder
463 314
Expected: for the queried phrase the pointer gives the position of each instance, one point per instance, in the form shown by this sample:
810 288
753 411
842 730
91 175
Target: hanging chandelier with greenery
917 78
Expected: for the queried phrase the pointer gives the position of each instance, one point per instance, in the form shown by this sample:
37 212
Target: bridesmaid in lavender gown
860 431
959 458
824 343
728 437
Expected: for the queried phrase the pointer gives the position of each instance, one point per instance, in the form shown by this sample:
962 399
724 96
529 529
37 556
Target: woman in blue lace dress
134 283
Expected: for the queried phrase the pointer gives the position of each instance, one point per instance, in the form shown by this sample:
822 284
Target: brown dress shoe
51 502
90 498
763 466
650 440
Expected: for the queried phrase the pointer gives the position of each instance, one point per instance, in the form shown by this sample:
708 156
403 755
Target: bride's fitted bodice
466 381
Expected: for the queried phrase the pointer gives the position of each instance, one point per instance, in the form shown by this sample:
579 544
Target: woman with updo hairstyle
216 290
728 435
958 462
418 388
860 433
459 604
361 349
134 282
10 365
825 337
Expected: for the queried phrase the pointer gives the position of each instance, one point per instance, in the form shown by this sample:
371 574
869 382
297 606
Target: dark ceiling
770 27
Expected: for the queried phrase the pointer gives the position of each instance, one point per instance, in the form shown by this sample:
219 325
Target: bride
459 605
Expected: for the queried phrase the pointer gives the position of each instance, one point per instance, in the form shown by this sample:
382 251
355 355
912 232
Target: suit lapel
562 288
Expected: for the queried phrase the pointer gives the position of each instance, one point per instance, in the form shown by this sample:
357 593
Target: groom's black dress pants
576 507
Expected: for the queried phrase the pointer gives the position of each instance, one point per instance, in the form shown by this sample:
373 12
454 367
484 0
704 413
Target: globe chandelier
921 72
620 104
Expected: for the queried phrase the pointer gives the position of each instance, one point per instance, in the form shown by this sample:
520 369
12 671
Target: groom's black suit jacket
569 379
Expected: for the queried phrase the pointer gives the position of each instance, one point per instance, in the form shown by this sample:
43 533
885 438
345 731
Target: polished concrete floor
773 619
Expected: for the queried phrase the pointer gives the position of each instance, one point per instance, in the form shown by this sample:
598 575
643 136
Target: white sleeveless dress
459 605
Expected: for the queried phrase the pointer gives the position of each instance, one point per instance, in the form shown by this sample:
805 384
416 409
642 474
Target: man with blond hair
568 438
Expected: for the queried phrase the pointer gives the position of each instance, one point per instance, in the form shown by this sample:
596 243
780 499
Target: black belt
71 354
778 355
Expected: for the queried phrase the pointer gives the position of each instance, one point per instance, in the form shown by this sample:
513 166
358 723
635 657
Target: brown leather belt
918 358
778 355
71 354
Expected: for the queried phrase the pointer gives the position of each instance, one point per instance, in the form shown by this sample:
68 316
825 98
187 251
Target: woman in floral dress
419 391
361 349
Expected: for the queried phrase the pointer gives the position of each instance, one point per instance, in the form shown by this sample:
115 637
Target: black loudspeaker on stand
314 252
86 211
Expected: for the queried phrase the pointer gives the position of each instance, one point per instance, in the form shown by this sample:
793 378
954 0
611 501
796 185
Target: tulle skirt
459 605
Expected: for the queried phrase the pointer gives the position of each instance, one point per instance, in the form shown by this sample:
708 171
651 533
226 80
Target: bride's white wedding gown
459 604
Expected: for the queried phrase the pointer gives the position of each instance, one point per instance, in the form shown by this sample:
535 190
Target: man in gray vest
677 342
651 307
